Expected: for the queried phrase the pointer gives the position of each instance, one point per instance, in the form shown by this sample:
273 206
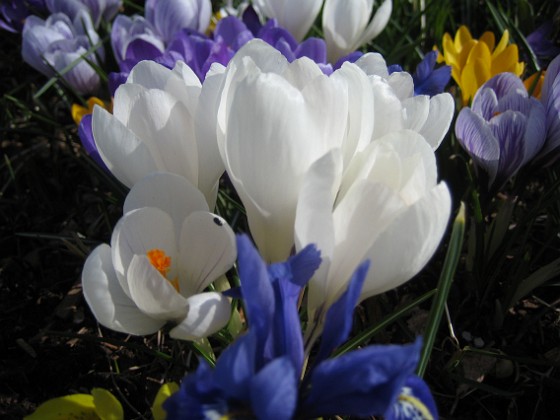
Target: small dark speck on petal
218 221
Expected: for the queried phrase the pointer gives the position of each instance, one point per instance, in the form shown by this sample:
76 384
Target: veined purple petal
476 137
509 129
362 383
504 83
486 103
514 101
535 132
338 321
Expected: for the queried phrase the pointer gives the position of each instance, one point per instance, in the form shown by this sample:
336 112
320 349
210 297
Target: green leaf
444 285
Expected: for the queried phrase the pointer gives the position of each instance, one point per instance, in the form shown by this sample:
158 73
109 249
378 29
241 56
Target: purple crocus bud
503 130
427 79
170 16
138 34
55 45
550 98
97 9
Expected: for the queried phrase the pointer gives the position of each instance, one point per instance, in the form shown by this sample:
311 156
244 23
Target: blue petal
435 83
362 383
425 68
414 402
274 390
85 132
338 321
351 58
236 367
314 48
233 31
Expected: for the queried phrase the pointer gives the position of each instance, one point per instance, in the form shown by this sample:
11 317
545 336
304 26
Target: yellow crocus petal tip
78 111
165 391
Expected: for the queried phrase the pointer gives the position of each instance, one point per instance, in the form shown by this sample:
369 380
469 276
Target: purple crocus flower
550 98
14 12
503 130
97 9
53 45
258 375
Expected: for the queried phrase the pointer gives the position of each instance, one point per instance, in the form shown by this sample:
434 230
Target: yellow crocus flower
79 111
474 61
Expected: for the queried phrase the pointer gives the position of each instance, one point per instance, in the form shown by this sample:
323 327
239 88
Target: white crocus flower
158 124
297 16
395 107
387 207
165 250
349 24
274 120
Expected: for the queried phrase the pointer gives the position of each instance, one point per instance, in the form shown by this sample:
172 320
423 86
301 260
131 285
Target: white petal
173 194
153 294
138 232
125 96
150 75
343 23
125 155
314 220
407 245
377 24
298 16
416 109
388 110
373 64
165 126
107 300
442 108
207 250
207 313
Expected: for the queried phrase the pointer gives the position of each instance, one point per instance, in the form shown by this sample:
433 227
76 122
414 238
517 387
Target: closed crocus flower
134 39
97 9
395 106
154 126
14 12
387 207
475 61
297 16
53 45
274 120
165 251
503 130
170 16
347 25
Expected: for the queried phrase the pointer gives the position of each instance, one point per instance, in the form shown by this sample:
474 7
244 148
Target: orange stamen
162 263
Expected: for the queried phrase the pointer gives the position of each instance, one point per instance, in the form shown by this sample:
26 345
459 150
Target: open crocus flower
165 250
387 208
503 130
295 15
157 125
347 25
258 376
473 61
395 105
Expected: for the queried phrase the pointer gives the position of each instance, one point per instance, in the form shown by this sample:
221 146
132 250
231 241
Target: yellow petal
489 39
507 61
77 406
78 112
107 406
462 37
534 83
163 394
95 101
476 72
502 45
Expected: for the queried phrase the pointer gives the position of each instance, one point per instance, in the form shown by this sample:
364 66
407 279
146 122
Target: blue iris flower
258 376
